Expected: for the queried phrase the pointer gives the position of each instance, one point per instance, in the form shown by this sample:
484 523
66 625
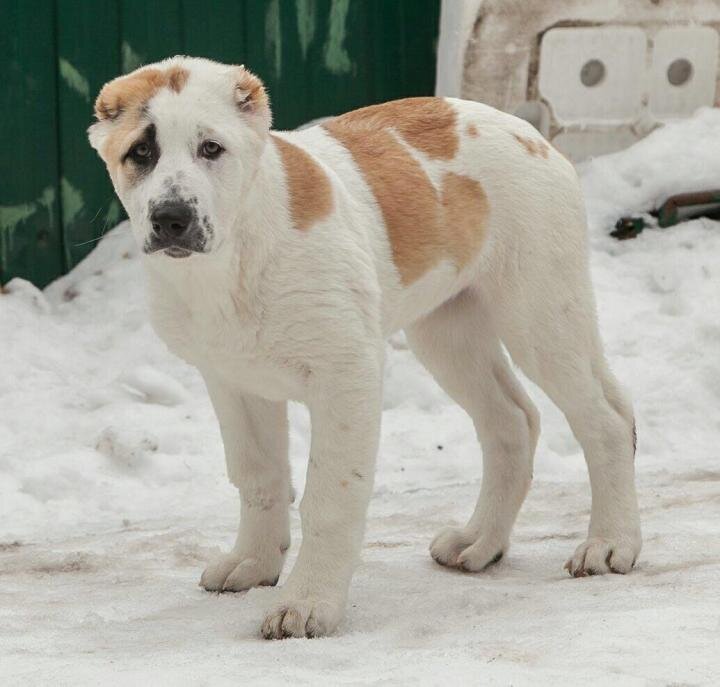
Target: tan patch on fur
122 99
428 124
132 91
177 78
534 147
406 197
472 130
250 93
423 226
308 185
465 210
122 135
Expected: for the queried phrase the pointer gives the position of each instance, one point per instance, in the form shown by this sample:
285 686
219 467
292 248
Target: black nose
171 219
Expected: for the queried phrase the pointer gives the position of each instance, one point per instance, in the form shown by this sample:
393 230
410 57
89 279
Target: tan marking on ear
308 185
465 210
177 78
423 226
128 92
533 147
133 90
250 94
472 130
428 124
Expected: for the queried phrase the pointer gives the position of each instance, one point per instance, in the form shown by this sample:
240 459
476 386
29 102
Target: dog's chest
218 337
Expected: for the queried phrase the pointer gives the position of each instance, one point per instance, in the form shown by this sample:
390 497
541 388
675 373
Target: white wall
457 18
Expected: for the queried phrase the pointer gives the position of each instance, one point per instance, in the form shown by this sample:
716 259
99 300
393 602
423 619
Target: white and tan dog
278 264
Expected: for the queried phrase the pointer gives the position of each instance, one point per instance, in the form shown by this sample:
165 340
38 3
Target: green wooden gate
317 58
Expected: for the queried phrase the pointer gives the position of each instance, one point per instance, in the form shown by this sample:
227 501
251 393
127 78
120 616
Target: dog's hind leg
255 435
548 323
459 347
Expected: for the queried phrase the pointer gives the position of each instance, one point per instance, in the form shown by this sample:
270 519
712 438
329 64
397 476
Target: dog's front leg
255 435
345 416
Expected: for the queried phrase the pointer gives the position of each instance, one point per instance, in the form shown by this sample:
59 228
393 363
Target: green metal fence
317 57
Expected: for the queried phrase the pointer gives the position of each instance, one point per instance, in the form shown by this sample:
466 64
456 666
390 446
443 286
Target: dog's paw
236 572
598 556
302 618
455 547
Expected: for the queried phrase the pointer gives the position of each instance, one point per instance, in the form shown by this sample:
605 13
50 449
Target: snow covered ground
113 494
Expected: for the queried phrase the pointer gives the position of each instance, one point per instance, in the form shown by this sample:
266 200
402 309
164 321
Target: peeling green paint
13 215
46 200
305 10
113 214
10 217
74 79
273 37
130 59
336 56
72 201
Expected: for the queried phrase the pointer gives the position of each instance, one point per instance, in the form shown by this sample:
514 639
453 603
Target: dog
278 264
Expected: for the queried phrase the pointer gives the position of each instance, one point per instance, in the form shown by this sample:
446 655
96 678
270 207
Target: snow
113 494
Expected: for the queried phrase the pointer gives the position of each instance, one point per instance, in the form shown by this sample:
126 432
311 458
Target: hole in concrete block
680 72
592 73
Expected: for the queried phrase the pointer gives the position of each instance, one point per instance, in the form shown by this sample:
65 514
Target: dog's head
182 140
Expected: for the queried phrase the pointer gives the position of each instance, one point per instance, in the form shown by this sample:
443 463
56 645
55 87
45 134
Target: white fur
272 313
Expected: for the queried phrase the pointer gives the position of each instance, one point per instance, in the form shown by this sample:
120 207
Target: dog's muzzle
175 230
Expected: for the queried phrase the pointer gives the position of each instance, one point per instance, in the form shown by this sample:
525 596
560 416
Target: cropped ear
132 90
97 135
251 98
113 99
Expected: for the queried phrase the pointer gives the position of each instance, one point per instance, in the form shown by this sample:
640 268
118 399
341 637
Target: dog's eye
210 149
141 152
